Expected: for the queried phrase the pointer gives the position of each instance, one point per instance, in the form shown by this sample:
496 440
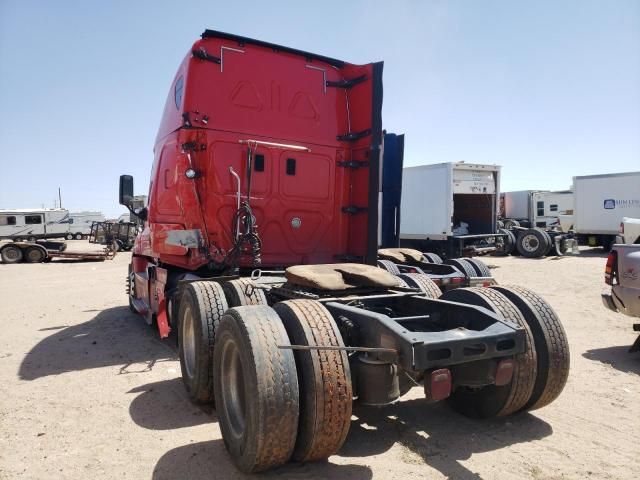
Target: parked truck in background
450 208
601 202
260 245
531 220
622 275
535 208
629 232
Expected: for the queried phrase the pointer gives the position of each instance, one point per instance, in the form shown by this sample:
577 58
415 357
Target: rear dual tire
542 370
533 243
201 307
550 340
389 266
492 400
256 388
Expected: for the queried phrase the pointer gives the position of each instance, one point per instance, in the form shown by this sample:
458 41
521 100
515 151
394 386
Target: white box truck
450 208
601 202
80 223
535 208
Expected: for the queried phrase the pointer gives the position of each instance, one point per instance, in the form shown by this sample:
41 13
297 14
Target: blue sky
547 89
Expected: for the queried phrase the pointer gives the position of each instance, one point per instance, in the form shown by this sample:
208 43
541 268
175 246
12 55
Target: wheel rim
530 243
11 253
233 392
189 342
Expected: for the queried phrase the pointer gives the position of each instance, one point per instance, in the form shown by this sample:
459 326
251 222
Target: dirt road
89 391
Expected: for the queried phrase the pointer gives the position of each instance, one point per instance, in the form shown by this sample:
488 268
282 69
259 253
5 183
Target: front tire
256 388
201 307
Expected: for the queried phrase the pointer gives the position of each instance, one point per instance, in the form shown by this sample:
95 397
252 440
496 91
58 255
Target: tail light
438 385
621 229
504 372
609 269
457 280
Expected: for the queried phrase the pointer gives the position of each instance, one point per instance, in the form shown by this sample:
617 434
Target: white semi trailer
535 208
33 224
601 203
450 208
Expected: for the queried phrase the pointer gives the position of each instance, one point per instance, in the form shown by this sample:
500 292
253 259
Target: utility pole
59 198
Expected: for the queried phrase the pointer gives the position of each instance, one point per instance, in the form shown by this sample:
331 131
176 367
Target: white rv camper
32 224
80 223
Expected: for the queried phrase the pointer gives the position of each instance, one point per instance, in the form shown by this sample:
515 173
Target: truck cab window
540 208
7 220
553 208
32 219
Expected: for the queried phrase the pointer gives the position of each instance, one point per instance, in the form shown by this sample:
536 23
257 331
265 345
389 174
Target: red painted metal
256 93
270 95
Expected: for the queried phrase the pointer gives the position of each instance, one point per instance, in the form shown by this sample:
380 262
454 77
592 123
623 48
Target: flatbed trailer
260 249
38 252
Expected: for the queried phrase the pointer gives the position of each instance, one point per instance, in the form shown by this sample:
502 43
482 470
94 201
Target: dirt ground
90 391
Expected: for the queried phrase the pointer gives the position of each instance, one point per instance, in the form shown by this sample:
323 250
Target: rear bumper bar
434 333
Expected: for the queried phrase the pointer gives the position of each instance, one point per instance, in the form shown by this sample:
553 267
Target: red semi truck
259 247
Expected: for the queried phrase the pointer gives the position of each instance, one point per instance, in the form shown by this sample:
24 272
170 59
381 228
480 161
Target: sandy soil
89 391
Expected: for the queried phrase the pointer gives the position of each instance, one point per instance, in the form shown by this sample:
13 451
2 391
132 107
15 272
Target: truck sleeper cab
259 248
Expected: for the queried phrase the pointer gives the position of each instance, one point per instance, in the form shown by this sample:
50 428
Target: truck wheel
69 236
389 266
256 388
507 244
78 236
35 255
492 400
324 379
549 242
201 306
509 223
532 243
479 266
423 282
11 254
432 257
464 267
551 344
236 293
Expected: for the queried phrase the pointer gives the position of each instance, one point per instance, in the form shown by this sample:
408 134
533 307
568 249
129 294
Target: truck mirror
126 190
